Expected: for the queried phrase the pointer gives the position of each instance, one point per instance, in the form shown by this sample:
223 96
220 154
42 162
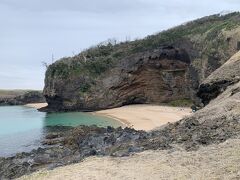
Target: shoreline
145 117
36 105
123 122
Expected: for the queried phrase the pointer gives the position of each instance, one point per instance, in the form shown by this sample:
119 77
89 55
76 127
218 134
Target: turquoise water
21 128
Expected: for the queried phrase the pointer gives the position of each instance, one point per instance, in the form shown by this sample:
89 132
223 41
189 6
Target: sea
22 128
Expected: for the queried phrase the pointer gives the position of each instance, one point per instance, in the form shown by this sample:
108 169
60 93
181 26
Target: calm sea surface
22 128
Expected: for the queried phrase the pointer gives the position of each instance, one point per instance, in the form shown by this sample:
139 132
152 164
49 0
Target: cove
22 128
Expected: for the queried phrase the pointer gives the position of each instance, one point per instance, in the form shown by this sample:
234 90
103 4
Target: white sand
211 162
146 117
37 105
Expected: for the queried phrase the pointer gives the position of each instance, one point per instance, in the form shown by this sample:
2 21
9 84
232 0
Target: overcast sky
32 30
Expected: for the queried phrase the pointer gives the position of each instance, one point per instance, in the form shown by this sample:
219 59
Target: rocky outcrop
72 146
161 68
25 98
151 77
220 80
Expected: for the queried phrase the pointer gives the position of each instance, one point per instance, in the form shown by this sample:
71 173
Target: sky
32 31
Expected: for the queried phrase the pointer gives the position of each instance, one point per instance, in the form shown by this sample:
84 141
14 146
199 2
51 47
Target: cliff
161 68
220 80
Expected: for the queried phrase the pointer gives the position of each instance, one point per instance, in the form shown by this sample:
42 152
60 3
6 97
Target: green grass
180 103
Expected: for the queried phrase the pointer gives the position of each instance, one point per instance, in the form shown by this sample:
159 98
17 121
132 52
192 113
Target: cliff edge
161 68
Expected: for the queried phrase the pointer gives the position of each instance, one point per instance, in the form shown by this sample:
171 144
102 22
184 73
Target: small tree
45 64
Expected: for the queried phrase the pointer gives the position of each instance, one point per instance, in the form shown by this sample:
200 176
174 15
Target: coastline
124 123
140 117
145 117
36 105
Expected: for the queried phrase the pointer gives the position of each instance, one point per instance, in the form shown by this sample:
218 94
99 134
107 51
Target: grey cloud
76 5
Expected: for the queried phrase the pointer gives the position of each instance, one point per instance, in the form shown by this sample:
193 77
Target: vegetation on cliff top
205 34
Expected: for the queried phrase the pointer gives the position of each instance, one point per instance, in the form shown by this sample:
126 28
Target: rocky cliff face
228 75
221 94
160 68
149 77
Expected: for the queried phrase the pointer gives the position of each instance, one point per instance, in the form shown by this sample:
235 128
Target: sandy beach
140 117
146 117
36 105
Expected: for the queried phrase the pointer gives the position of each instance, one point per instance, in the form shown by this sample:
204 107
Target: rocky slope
23 98
161 68
212 162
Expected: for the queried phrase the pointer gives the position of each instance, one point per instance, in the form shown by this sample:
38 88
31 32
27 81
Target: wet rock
52 135
52 141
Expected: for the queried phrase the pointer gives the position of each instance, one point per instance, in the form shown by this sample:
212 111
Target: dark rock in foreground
75 144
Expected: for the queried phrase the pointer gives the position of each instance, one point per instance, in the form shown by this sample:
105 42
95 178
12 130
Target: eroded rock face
159 68
150 77
225 76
